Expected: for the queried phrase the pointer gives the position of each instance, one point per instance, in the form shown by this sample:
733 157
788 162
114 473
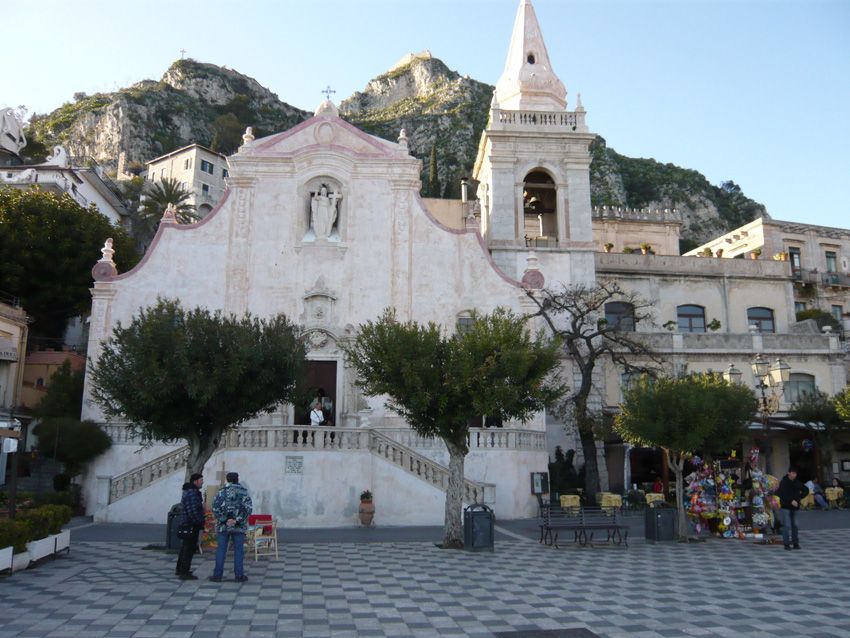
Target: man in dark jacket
193 514
790 493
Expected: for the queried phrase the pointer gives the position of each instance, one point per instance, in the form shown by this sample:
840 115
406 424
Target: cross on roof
328 91
182 53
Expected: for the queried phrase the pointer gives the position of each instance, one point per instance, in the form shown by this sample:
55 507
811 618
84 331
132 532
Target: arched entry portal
320 383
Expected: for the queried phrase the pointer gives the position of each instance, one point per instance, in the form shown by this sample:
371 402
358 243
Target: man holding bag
193 523
231 507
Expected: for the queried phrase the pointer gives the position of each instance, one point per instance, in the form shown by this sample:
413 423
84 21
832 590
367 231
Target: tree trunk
591 468
678 468
201 448
453 530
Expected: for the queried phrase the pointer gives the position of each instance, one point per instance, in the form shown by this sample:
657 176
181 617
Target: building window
691 318
798 387
205 189
799 306
620 315
464 323
762 318
837 311
187 163
224 173
539 202
831 261
795 257
207 167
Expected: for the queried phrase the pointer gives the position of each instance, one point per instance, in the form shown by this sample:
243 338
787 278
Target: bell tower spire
528 81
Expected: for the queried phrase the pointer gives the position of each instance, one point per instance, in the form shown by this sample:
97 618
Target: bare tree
576 315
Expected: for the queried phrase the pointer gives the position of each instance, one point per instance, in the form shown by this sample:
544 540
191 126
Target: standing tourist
790 493
193 514
231 507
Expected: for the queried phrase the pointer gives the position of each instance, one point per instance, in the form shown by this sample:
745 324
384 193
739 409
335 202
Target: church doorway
321 383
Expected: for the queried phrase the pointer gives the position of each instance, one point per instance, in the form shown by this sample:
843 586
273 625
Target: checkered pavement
522 590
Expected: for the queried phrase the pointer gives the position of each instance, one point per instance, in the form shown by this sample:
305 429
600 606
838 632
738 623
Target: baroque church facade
324 223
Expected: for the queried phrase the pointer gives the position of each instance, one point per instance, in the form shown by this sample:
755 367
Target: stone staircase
294 438
41 476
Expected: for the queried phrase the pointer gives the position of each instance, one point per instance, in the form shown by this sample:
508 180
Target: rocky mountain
442 112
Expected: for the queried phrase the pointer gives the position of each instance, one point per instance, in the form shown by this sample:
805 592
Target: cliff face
193 102
439 109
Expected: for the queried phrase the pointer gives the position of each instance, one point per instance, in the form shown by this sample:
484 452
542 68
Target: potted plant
755 254
707 252
718 252
367 508
645 247
608 246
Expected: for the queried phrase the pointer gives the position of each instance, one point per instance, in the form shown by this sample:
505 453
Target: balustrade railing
381 443
565 120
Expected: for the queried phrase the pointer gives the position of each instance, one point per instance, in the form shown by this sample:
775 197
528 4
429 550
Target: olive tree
682 415
438 382
192 375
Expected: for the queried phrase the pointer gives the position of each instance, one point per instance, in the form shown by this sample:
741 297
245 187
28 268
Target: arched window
540 218
464 322
762 318
798 387
690 318
620 315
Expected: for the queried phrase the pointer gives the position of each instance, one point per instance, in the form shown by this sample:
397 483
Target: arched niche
540 209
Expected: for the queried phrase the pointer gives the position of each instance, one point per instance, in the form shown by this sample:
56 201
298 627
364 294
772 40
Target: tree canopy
64 396
49 245
842 404
177 374
821 414
438 382
159 195
682 415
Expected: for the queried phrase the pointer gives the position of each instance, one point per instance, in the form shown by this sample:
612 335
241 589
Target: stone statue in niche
323 212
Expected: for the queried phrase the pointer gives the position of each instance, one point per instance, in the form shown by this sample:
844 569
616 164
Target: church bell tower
533 165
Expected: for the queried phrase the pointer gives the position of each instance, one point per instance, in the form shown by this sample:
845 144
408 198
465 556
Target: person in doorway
231 507
790 493
193 514
317 417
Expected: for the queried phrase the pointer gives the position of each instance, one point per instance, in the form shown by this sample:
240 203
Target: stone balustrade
307 438
536 120
637 214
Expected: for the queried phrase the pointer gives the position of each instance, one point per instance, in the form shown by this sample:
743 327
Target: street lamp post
770 380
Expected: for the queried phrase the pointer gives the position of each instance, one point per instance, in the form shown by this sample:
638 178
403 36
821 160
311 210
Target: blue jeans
789 526
238 554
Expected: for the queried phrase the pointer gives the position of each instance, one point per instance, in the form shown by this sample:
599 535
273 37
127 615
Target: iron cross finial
328 91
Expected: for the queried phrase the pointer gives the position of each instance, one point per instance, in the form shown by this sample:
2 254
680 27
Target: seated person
817 491
658 486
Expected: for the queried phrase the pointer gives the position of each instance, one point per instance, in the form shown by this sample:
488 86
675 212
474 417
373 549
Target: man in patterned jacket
231 507
193 514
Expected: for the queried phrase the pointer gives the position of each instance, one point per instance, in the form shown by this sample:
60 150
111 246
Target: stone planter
42 548
63 540
21 561
6 558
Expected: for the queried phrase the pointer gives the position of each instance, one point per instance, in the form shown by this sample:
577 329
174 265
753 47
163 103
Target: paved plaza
409 587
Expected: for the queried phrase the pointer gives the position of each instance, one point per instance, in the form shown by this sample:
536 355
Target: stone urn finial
402 138
169 216
248 136
105 268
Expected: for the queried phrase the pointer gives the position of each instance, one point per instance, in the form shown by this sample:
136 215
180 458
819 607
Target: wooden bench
582 524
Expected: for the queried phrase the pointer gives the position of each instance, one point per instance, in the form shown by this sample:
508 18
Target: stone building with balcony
324 223
13 346
201 171
81 178
819 259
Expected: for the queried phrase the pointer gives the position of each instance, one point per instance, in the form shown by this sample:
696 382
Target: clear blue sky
755 91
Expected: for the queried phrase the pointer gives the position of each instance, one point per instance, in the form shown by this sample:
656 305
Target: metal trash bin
175 517
478 528
660 523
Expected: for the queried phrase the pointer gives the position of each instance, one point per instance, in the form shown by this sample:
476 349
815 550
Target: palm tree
158 196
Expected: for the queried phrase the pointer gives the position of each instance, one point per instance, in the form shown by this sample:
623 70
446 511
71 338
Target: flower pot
366 513
21 561
41 548
6 558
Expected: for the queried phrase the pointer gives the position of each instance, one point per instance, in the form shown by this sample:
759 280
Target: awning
8 350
